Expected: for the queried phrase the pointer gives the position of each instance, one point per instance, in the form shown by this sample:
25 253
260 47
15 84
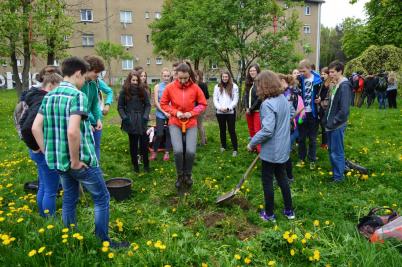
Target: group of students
384 86
63 126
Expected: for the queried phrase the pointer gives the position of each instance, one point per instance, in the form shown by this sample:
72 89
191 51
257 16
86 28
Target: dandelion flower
105 243
32 253
237 257
110 255
292 252
41 230
64 241
64 236
316 223
49 253
271 263
149 243
20 220
307 236
50 226
247 260
46 211
65 230
316 255
41 249
130 254
204 265
304 241
174 235
327 222
105 249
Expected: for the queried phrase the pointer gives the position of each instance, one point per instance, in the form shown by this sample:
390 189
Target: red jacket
177 97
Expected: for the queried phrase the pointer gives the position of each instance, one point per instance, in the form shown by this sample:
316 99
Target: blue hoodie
317 82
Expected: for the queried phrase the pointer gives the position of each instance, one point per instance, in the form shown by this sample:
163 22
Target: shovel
183 188
355 166
234 191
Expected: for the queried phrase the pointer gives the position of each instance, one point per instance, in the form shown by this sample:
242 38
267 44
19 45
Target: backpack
19 111
382 84
371 222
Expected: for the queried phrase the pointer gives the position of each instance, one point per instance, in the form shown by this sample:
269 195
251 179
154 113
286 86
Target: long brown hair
328 80
268 85
288 78
249 80
229 86
127 86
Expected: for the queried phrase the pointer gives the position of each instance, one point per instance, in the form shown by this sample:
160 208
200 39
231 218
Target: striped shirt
57 107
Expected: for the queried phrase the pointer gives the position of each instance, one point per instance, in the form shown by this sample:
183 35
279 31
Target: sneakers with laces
266 218
290 214
312 165
234 154
166 157
153 155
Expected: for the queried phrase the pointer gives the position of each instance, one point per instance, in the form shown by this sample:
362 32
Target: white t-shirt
308 94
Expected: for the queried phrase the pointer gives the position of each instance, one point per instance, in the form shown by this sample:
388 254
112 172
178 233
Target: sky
334 11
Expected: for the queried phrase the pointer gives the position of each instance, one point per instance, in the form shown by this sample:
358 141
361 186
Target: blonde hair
288 78
392 77
305 63
165 70
53 78
268 85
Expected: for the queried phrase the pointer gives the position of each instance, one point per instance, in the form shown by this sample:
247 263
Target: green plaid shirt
57 107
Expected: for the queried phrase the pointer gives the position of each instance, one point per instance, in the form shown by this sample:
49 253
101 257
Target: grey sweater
275 130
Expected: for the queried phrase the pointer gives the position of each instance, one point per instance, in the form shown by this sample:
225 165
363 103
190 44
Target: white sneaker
234 154
222 150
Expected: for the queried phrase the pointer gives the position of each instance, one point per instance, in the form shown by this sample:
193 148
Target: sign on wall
6 80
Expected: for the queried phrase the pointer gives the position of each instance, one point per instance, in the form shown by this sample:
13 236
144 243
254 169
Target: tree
331 45
356 37
109 51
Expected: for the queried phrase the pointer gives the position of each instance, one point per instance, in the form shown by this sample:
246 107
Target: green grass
194 229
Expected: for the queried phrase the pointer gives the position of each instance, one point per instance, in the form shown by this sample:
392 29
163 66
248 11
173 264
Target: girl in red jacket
184 101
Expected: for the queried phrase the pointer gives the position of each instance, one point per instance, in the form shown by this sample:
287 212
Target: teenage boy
92 89
63 132
310 83
336 119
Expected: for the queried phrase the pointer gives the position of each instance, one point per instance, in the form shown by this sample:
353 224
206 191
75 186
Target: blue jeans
337 152
97 137
92 179
48 185
294 136
381 99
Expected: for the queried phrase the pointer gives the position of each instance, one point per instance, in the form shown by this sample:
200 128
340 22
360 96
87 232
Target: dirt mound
212 219
247 231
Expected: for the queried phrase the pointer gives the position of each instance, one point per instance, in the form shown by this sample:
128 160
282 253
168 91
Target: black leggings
139 142
268 171
392 98
230 120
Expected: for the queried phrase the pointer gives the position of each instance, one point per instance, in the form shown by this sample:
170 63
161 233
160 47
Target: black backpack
382 84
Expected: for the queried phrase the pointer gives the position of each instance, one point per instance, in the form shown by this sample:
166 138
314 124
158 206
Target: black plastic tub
119 188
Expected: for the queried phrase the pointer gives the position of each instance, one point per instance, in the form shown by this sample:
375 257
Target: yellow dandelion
304 241
49 253
149 243
105 249
46 211
105 243
130 254
290 240
204 265
174 235
2 219
110 255
76 235
292 252
20 220
247 260
64 236
50 226
80 237
32 253
237 257
41 249
307 236
41 230
65 230
6 242
271 263
64 241
167 265
316 223
316 255
327 222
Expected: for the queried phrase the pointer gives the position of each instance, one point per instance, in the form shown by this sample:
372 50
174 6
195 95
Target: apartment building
126 22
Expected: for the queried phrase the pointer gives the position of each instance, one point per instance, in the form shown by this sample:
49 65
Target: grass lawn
193 231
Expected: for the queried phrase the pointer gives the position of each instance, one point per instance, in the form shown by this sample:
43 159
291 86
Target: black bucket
119 188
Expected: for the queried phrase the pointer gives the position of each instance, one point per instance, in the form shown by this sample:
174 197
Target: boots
188 181
179 181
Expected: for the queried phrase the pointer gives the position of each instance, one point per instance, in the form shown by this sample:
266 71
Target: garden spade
355 166
234 191
184 188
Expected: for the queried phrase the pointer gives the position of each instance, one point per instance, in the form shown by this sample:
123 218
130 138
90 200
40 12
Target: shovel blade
226 197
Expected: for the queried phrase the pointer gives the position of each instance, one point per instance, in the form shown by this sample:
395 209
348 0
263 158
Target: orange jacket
177 97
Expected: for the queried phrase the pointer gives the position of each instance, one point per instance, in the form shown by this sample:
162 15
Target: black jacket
338 110
255 101
33 99
370 84
204 88
134 112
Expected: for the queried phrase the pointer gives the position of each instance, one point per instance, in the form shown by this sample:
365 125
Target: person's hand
78 165
92 129
106 109
224 110
250 148
167 115
180 115
99 125
187 115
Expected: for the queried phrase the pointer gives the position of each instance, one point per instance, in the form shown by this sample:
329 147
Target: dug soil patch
212 219
247 231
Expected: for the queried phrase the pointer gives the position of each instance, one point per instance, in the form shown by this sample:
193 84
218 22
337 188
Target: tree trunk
13 58
109 72
50 51
196 64
26 46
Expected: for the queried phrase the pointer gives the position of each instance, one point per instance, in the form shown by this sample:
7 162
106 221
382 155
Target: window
126 17
307 10
147 38
56 63
307 29
214 66
146 14
127 40
86 15
66 37
88 40
4 64
157 15
158 61
148 61
127 64
19 63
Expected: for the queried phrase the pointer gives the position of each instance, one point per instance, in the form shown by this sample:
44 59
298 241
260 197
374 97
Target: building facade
126 22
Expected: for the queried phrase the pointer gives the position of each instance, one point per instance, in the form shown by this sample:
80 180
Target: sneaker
153 155
222 149
166 157
291 180
117 245
234 154
289 214
312 165
266 218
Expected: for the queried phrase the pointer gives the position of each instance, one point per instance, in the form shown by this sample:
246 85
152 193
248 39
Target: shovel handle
247 173
183 125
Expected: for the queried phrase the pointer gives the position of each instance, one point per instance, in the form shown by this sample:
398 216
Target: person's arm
147 107
202 103
205 89
345 99
267 127
235 97
121 105
109 95
216 98
165 103
37 131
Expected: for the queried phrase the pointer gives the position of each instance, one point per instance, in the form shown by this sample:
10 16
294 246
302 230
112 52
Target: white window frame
126 16
125 64
307 29
148 61
214 66
307 10
158 61
127 40
56 63
158 15
86 37
147 14
20 62
86 19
